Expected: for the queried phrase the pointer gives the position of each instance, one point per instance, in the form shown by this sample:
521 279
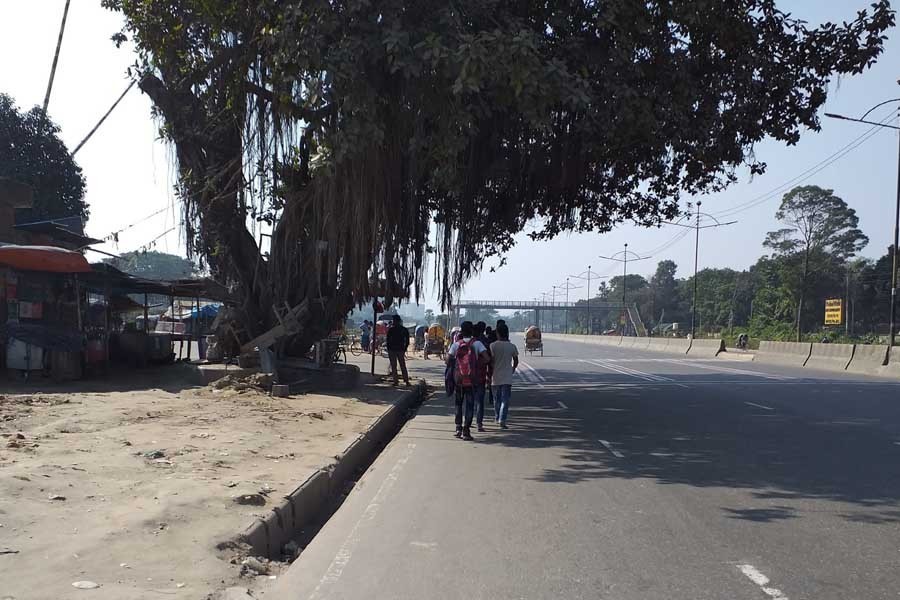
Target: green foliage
381 120
32 153
154 265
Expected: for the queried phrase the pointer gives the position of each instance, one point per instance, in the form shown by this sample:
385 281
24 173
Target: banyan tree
376 139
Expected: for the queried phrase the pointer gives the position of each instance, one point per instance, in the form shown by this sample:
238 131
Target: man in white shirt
505 360
465 394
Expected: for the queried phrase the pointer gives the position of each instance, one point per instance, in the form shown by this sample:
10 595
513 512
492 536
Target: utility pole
893 320
568 287
581 276
624 261
553 312
697 229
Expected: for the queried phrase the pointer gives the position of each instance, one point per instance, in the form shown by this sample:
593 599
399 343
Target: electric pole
624 261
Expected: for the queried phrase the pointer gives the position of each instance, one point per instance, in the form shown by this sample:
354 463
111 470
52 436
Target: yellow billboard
834 311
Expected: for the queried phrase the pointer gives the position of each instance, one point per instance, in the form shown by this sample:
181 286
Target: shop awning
47 259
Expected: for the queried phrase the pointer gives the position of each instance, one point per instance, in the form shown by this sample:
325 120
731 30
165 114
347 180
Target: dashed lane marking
612 450
753 574
562 405
759 406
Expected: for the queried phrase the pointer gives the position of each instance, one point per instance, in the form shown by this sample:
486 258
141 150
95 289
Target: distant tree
32 153
154 265
488 315
663 292
819 225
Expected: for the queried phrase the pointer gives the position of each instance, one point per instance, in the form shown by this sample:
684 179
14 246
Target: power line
804 175
114 236
62 29
103 118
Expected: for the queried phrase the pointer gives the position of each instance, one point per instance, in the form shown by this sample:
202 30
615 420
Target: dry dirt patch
133 490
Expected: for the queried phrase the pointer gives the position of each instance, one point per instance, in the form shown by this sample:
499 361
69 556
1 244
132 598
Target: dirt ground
131 486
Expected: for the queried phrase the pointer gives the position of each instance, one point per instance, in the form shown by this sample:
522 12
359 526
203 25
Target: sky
129 174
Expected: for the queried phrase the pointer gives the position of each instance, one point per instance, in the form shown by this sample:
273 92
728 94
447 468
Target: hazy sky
129 176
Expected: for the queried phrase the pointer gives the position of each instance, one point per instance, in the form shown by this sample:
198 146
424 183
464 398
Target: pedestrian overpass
542 306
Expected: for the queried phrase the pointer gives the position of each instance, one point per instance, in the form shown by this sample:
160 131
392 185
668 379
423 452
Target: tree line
812 257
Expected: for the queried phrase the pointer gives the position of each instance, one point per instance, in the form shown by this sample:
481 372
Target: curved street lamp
624 260
893 317
697 227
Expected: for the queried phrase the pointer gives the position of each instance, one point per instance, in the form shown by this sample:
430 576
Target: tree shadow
702 438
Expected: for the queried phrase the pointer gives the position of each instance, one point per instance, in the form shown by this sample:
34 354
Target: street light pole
696 262
893 316
893 319
567 305
588 278
696 226
624 260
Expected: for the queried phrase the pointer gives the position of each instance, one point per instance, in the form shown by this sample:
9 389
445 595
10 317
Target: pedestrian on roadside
505 361
490 337
469 358
397 343
365 334
482 387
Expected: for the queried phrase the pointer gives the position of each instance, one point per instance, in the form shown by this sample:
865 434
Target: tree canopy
356 126
32 153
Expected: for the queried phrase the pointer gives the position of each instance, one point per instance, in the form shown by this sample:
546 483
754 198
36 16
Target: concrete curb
267 535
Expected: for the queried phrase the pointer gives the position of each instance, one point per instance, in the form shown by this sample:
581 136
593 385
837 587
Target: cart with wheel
533 342
434 341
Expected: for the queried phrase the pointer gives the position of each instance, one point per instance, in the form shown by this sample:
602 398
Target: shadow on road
706 437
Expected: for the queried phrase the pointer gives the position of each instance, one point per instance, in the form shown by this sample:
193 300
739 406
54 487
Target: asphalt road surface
630 475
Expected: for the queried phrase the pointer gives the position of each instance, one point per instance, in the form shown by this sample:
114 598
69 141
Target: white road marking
532 370
345 553
759 406
730 370
615 369
612 450
753 574
562 405
425 545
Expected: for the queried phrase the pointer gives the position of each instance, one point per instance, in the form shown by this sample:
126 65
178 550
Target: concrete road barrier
267 534
892 368
793 354
706 347
869 359
678 345
830 357
658 344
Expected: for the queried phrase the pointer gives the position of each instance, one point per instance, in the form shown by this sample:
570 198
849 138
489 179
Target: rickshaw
434 340
419 337
533 341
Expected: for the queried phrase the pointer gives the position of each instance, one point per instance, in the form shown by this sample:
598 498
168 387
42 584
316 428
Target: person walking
365 334
505 361
397 343
482 383
468 358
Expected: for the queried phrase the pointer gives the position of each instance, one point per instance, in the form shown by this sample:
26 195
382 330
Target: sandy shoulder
148 479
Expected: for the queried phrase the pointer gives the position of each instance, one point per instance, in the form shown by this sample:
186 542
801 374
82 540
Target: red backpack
468 368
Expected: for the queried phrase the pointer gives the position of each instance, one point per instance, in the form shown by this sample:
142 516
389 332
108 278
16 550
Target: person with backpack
469 358
505 361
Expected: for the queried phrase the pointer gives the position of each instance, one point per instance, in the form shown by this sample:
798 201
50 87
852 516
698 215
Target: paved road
630 475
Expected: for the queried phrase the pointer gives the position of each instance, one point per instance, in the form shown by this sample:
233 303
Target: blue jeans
502 394
479 404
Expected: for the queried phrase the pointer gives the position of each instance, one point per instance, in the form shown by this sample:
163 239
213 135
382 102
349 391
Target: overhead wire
804 175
